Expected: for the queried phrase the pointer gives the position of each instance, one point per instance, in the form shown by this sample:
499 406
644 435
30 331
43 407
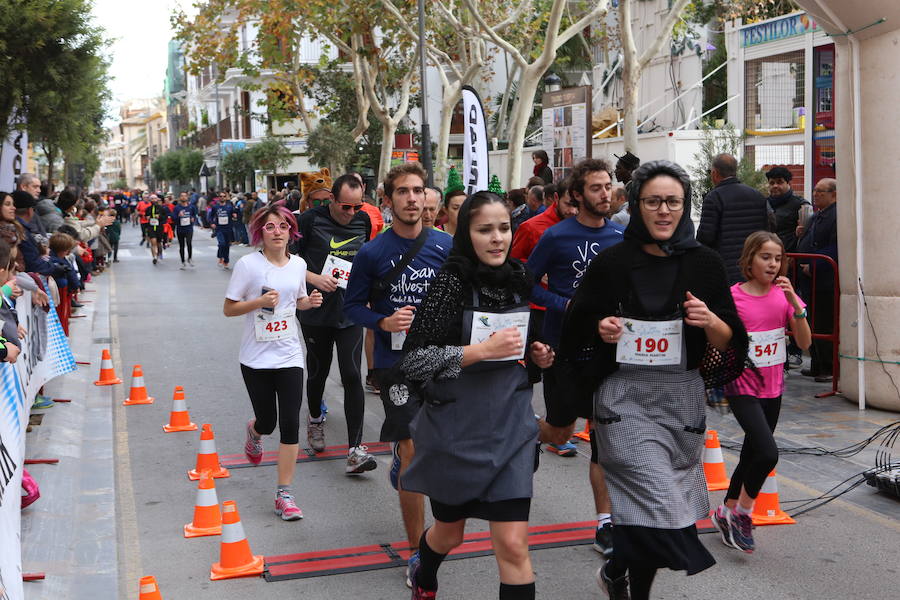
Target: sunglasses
270 227
353 207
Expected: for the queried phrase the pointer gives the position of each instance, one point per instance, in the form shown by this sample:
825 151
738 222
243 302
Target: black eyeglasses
671 202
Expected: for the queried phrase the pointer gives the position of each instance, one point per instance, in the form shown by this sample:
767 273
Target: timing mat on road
238 461
396 554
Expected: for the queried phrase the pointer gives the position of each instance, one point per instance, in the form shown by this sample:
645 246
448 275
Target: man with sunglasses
563 255
331 235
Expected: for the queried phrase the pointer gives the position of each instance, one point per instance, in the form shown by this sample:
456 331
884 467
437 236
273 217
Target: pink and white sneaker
286 508
253 446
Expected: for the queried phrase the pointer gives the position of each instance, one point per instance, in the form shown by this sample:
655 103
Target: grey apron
475 435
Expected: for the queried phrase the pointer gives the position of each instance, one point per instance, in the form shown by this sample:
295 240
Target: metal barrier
835 335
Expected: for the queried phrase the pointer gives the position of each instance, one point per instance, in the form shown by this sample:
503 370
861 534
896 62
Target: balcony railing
215 133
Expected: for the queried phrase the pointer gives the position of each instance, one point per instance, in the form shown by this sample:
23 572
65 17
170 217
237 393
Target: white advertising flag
475 147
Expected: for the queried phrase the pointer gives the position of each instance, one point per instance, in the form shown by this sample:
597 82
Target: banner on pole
12 158
475 146
45 355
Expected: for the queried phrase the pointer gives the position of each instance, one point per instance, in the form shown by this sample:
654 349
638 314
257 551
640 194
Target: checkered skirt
649 424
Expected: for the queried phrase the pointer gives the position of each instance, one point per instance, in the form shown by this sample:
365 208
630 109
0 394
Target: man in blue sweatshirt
388 306
563 255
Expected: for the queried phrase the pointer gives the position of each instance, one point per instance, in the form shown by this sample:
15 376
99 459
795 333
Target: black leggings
640 578
185 238
759 454
262 386
320 342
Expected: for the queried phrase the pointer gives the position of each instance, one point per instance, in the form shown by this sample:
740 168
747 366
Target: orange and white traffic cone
149 590
235 558
179 419
138 393
586 434
107 373
714 463
207 516
207 457
766 509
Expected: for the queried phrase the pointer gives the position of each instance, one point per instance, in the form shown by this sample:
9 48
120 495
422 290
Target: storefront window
774 93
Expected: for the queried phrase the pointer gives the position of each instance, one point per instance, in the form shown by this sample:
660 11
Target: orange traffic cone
179 419
586 434
766 510
138 393
235 558
107 373
149 590
714 463
207 516
207 457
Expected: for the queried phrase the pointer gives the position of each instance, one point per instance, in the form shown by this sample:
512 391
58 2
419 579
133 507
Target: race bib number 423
654 343
339 269
271 327
767 348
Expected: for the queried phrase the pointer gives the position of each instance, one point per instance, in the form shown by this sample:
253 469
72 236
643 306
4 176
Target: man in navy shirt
563 254
391 310
224 215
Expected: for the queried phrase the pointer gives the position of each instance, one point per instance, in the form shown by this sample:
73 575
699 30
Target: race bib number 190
767 348
223 219
654 343
184 221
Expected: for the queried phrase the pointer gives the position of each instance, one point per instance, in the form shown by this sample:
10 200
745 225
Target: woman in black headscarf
476 433
650 315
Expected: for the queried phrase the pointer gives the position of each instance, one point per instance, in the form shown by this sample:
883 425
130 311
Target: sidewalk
70 532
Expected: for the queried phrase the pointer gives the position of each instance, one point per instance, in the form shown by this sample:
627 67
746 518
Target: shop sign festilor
45 355
777 29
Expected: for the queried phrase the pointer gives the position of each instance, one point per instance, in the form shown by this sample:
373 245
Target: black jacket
731 212
821 238
787 217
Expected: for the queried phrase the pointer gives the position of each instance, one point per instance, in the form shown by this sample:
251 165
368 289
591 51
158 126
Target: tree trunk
521 111
388 127
452 95
50 153
631 81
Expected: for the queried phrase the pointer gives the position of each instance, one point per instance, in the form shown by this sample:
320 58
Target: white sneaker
359 461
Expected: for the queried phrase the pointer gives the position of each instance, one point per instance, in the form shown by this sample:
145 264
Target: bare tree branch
652 50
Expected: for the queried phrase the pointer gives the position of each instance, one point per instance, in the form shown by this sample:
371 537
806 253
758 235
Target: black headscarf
463 261
683 238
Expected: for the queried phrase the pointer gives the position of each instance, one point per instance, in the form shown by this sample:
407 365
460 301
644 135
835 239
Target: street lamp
552 83
426 131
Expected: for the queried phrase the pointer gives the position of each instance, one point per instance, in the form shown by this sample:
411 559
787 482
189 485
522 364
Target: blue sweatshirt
184 211
373 261
564 253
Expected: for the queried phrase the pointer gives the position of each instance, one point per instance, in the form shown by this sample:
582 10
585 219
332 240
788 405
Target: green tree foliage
717 141
332 146
190 162
237 165
270 155
53 76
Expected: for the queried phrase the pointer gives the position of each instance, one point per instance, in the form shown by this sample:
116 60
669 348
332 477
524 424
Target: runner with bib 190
185 217
224 217
331 235
391 277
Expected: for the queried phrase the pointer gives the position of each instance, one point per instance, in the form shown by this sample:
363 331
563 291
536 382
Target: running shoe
742 532
226 267
315 435
359 461
41 402
413 561
568 449
794 361
372 384
182 267
253 446
395 466
603 540
418 593
154 261
286 508
190 262
722 523
616 589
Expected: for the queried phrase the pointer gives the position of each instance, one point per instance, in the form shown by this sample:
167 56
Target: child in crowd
9 329
113 233
768 305
61 245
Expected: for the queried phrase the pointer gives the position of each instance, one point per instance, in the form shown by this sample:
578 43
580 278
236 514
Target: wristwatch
801 314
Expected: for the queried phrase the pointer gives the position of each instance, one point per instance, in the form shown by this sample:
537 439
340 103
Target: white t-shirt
250 275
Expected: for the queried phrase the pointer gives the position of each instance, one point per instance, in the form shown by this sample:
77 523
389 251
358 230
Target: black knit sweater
607 290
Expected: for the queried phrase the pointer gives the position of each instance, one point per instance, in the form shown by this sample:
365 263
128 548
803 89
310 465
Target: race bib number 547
654 343
767 348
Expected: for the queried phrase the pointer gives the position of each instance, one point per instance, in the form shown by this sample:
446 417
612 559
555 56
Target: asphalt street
170 321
